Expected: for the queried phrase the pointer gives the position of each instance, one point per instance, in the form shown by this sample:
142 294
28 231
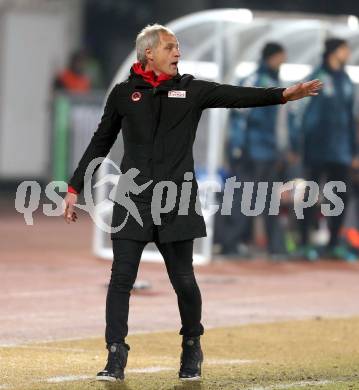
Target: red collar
150 75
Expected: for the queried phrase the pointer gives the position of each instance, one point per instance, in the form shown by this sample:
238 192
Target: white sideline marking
229 361
68 378
289 385
146 370
46 347
154 369
32 342
149 370
46 293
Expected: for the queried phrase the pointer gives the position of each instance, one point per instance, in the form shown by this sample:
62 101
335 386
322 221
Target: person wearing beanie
339 47
158 110
255 154
329 143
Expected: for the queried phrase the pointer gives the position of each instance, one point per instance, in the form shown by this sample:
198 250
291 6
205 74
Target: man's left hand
301 90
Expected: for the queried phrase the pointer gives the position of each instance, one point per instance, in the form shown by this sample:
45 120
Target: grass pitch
296 355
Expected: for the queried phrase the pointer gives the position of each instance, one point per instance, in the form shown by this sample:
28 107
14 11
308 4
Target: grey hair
147 38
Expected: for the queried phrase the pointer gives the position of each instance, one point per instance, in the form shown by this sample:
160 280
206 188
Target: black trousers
178 257
320 173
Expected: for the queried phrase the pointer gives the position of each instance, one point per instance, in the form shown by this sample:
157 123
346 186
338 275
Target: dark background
110 26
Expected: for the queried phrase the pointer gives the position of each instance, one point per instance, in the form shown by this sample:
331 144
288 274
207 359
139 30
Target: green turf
312 354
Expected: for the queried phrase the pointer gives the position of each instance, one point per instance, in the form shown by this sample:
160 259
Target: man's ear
149 54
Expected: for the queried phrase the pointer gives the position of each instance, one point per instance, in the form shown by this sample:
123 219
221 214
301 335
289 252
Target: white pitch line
290 385
46 293
214 362
68 378
149 370
155 369
8 345
146 370
45 347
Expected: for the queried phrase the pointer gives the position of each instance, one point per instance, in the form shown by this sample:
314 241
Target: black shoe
116 363
191 359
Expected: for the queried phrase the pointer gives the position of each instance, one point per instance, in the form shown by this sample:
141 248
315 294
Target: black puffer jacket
159 127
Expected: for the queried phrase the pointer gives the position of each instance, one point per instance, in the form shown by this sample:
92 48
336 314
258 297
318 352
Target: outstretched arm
215 95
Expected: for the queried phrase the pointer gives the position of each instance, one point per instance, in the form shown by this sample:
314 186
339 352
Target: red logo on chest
136 96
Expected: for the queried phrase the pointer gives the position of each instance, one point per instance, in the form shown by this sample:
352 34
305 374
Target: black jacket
158 133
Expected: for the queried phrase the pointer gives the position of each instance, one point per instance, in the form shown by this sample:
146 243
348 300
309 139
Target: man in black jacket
158 110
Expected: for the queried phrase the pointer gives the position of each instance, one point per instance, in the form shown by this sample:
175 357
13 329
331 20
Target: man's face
276 60
164 58
342 54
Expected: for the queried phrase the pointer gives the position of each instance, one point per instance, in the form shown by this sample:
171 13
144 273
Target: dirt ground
52 287
293 355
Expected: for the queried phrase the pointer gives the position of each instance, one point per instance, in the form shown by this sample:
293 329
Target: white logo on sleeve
177 94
